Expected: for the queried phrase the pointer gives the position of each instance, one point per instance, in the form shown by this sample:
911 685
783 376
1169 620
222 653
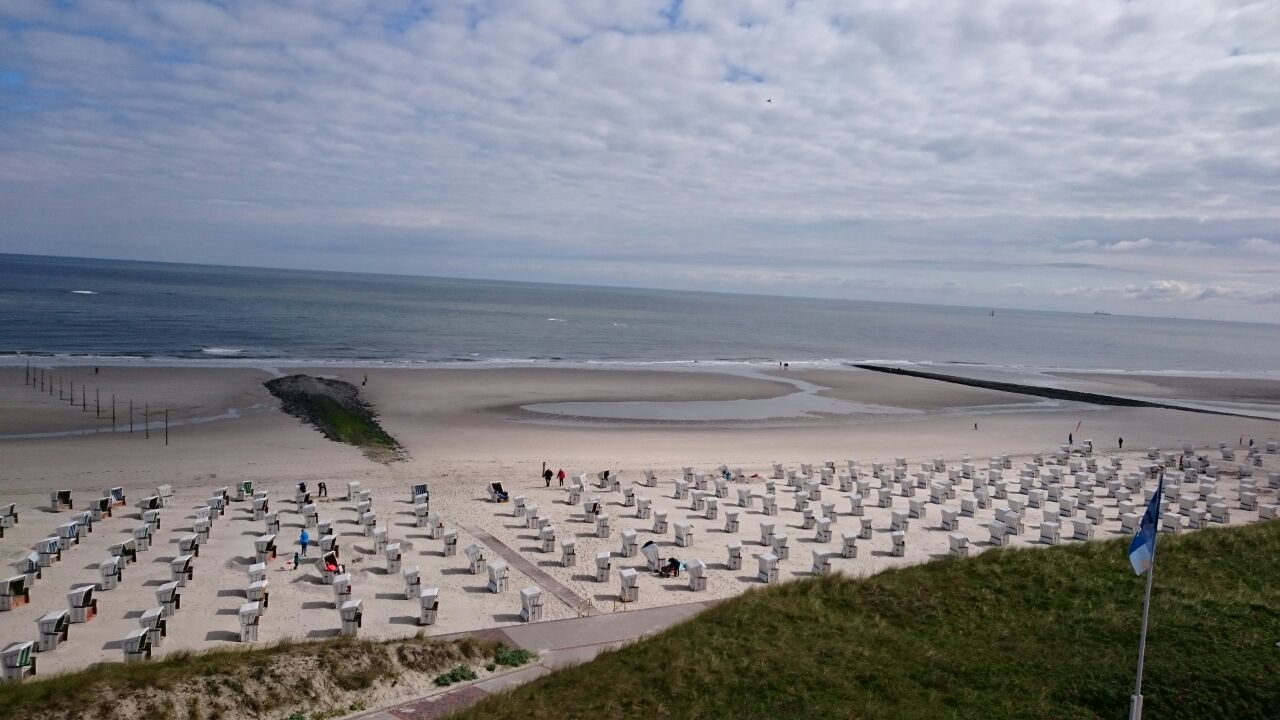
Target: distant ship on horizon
1099 312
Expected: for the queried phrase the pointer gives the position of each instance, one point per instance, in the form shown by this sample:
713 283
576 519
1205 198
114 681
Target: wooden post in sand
97 403
41 379
113 412
60 395
166 427
131 416
26 379
146 421
84 403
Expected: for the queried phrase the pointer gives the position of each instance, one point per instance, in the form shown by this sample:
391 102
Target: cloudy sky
1083 155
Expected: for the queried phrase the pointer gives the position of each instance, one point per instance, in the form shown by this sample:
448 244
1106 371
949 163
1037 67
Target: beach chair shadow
506 617
404 620
233 593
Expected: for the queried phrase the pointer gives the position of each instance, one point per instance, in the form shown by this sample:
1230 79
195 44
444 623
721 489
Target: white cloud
740 136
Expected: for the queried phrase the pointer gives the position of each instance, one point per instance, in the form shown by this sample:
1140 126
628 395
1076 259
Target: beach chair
650 478
450 538
721 487
250 614
50 550
999 533
420 490
369 521
496 493
264 547
18 661
1268 511
1129 522
821 563
341 589
604 525
1093 513
766 534
697 573
684 534
1082 530
711 509
643 507
54 628
8 516
958 545
169 597
352 614
628 497
498 573
517 506
1049 533
69 535
1170 522
392 554
181 570
256 572
154 622
769 504
29 566
885 497
681 490
898 521
165 493
768 568
777 471
547 538
82 603
822 533
917 509
659 522
575 494
731 521
260 508
202 527
628 585
899 539
568 553
110 573
801 501
781 546
14 592
428 605
1219 513
734 549
1248 501
412 578
630 543
217 506
259 592
531 604
142 538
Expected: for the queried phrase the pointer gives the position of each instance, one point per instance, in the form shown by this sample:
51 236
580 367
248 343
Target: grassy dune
301 681
1049 633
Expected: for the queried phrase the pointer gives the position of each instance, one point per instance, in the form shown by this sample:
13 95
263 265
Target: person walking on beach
1121 443
560 477
304 540
1070 438
322 490
975 426
546 475
365 381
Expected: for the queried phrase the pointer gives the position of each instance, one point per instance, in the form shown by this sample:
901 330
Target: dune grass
256 681
1028 633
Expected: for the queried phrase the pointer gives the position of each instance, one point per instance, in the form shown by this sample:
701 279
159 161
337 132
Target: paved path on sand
518 561
560 643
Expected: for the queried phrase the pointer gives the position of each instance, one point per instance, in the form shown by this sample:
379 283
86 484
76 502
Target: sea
128 311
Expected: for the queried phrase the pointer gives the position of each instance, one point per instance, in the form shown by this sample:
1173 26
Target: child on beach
304 540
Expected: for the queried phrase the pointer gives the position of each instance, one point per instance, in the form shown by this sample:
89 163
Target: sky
1084 155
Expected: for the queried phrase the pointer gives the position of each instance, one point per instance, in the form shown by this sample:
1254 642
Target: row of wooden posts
38 379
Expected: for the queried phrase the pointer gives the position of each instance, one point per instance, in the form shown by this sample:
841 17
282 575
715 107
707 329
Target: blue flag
1142 551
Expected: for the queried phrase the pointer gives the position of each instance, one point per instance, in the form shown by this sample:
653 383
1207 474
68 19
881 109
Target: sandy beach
463 428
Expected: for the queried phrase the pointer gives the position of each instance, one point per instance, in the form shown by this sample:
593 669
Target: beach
463 428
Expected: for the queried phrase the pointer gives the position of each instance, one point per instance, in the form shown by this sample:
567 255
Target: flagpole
1135 706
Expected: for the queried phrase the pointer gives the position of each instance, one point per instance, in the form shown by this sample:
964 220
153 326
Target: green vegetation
335 409
1031 633
326 678
460 673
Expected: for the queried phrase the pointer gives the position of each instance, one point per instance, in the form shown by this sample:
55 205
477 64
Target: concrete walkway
559 643
521 563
